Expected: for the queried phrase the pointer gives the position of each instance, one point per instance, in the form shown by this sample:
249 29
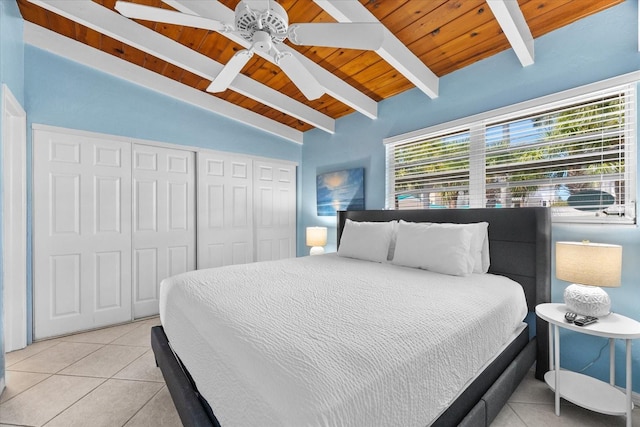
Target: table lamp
589 266
316 237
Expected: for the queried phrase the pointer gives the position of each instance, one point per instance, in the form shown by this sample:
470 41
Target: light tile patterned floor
105 378
109 378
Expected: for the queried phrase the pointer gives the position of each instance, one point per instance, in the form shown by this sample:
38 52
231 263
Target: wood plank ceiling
445 35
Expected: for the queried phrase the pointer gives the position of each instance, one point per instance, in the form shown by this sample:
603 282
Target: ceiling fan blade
365 36
148 13
230 71
299 75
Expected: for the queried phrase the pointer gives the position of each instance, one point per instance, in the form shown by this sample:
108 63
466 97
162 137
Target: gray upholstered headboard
519 244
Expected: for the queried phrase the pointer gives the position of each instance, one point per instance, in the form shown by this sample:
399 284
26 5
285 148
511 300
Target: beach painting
340 191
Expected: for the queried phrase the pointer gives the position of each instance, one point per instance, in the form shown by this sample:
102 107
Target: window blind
577 156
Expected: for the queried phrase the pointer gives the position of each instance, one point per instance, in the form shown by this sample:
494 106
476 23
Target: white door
14 147
82 232
225 209
164 238
275 209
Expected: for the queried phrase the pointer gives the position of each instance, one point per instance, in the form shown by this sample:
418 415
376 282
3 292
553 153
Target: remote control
570 316
585 320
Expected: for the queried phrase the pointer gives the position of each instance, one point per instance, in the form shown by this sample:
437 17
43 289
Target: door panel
65 202
275 198
108 270
108 210
146 275
178 206
82 232
65 285
178 257
225 209
146 203
164 239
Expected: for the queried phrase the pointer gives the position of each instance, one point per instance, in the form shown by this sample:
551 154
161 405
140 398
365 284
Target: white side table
581 389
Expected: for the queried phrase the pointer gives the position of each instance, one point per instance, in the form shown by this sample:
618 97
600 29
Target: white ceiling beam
114 25
332 84
392 50
515 27
81 53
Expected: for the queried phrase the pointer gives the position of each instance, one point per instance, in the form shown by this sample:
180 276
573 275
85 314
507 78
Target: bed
519 241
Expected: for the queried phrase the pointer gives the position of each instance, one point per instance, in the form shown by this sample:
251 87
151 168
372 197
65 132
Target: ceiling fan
265 24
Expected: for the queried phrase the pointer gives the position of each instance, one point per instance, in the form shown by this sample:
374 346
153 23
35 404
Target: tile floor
106 377
109 378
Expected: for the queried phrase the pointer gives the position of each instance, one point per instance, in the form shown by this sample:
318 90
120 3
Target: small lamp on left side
317 238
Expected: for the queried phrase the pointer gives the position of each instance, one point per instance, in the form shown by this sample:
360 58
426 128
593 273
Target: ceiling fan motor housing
273 21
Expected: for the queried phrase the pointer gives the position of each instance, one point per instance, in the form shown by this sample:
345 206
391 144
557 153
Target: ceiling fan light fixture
262 41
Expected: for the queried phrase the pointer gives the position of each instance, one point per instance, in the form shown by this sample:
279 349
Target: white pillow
392 243
486 256
366 240
434 247
479 244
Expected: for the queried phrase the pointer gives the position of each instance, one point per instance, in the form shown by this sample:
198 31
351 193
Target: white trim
118 138
14 222
519 108
515 28
90 57
2 384
392 50
192 148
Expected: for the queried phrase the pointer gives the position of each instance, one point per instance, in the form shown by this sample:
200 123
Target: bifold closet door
274 188
225 209
164 238
82 232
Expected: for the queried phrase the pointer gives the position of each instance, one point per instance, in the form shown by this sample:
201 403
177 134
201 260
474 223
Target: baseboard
1 385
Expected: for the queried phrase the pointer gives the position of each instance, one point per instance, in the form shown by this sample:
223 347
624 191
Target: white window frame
476 125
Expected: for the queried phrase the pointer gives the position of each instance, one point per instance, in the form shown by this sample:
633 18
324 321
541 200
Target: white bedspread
331 341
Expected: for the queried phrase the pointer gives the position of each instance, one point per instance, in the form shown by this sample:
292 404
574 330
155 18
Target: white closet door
275 207
225 209
164 237
82 232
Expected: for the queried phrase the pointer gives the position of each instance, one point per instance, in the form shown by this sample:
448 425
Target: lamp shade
316 236
586 263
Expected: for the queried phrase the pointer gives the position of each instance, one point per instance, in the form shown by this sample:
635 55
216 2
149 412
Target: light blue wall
11 74
60 92
595 48
64 93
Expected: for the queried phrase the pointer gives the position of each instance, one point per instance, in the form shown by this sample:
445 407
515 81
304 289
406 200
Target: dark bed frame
520 246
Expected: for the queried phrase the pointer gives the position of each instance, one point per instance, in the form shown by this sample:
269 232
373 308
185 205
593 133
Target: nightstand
580 389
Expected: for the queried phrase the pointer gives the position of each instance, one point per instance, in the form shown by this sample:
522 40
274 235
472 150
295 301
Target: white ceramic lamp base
587 300
316 250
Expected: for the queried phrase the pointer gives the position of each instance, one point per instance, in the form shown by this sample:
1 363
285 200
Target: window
576 156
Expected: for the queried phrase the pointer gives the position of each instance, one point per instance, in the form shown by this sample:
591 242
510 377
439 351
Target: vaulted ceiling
423 41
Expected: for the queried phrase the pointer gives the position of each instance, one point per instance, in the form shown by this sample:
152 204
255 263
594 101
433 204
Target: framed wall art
339 191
